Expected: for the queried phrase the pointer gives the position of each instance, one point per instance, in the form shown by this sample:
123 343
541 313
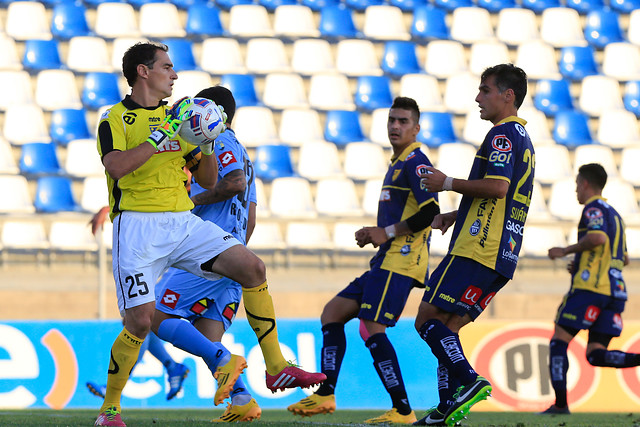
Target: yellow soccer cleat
393 417
313 405
227 376
236 413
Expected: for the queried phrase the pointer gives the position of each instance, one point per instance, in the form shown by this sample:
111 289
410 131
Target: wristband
447 185
391 231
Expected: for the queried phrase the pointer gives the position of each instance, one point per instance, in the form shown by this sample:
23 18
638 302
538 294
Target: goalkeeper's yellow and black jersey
159 184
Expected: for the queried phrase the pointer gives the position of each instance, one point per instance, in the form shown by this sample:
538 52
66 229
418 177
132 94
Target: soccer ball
205 124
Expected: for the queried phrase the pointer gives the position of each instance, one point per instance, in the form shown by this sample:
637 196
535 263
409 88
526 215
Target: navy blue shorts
381 294
463 286
582 309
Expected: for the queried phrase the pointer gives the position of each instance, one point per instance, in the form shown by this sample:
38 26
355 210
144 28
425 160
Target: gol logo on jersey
501 143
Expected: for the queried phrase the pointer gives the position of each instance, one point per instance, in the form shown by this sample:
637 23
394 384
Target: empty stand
602 27
189 83
222 56
9 59
88 54
539 239
7 161
471 25
563 203
553 163
255 126
119 46
272 161
598 94
203 21
634 27
337 197
83 159
266 237
631 97
357 57
57 89
384 22
629 170
595 153
371 197
300 126
25 123
455 159
23 236
475 129
308 237
311 56
373 92
429 23
538 211
294 21
378 131
38 158
243 88
71 236
27 20
262 210
69 20
319 160
284 90
160 20
618 129
336 22
344 242
577 62
15 197
560 26
41 55
538 58
537 126
571 129
54 194
585 6
330 92
283 205
181 53
539 6
266 56
552 96
95 194
459 93
622 196
365 160
400 58
249 20
16 89
625 6
343 127
116 20
100 89
445 58
516 26
68 124
486 54
622 61
424 89
495 6
436 128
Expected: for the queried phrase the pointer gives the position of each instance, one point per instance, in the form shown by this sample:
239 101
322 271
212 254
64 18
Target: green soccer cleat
465 398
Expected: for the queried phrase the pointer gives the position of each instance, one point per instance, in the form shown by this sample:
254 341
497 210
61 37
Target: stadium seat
451 5
629 170
425 89
343 127
54 194
68 124
262 210
337 197
319 5
311 56
598 94
471 24
373 92
336 22
537 126
181 53
15 197
585 6
38 158
552 164
445 58
400 58
618 129
459 93
160 20
495 6
319 160
283 205
266 55
27 20
69 20
83 159
16 89
539 238
371 196
563 203
272 161
378 132
516 26
571 129
408 5
203 21
624 6
538 58
621 61
621 195
284 90
330 92
344 242
538 211
633 33
228 4
429 23
362 5
486 54
300 126
273 5
88 54
189 83
41 55
631 98
436 128
365 160
539 6
577 62
222 56
243 88
632 235
71 236
100 89
560 27
23 236
455 159
57 89
255 126
602 27
475 129
249 20
357 57
25 123
9 59
552 95
384 22
119 47
595 153
308 238
267 237
294 21
8 162
116 20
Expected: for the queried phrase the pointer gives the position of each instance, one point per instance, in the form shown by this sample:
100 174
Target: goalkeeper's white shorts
145 244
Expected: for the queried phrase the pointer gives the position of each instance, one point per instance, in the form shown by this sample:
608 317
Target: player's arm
487 188
119 163
251 220
587 242
232 184
206 174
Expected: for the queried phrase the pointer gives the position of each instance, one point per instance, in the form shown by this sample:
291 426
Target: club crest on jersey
520 129
405 250
395 174
226 158
170 298
475 227
501 143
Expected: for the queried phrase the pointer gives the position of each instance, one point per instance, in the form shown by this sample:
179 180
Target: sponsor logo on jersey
200 307
226 158
514 227
501 143
171 146
520 129
471 295
592 313
405 250
421 170
385 195
512 243
130 117
227 237
170 298
475 227
105 114
155 119
229 311
447 298
594 216
509 255
617 321
486 300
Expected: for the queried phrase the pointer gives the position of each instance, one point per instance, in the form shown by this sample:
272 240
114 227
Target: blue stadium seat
49 4
400 58
624 6
495 6
41 55
68 124
552 96
69 20
187 4
436 128
203 20
318 5
408 5
94 3
39 158
585 6
100 89
571 129
602 27
577 62
451 5
273 161
271 5
342 127
429 23
138 3
631 97
243 88
181 51
228 4
54 194
337 22
538 6
361 5
373 92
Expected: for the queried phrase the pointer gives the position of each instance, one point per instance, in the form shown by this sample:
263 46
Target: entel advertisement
46 365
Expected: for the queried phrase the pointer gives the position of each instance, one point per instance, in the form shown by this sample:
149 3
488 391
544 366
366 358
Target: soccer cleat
292 377
432 417
227 376
176 378
465 398
110 417
97 390
236 413
313 405
393 417
554 410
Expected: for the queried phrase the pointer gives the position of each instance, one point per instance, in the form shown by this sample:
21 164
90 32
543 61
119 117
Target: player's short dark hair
594 174
140 53
221 96
508 76
406 103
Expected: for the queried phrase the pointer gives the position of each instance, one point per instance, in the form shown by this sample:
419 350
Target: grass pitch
282 418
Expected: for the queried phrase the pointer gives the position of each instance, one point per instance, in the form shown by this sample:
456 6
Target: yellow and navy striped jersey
490 231
402 197
159 184
599 270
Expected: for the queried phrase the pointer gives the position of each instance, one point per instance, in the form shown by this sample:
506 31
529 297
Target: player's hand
223 115
98 219
180 110
362 236
570 266
207 149
170 126
556 252
443 221
433 180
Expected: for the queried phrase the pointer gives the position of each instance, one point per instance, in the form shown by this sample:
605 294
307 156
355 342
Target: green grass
281 418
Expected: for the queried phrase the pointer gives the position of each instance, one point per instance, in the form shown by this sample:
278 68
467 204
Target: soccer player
486 240
154 229
598 293
377 297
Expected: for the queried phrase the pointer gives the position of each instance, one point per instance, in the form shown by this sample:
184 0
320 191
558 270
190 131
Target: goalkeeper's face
160 78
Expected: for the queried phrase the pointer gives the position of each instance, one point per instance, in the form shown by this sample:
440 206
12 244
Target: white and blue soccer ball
205 124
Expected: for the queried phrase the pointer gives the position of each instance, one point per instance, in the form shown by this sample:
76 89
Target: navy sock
558 367
446 347
447 386
156 347
613 358
334 345
386 363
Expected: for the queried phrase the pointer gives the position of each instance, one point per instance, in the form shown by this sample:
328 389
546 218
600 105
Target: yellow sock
124 354
262 318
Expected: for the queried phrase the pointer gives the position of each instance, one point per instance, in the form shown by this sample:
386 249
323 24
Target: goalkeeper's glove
207 149
170 126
